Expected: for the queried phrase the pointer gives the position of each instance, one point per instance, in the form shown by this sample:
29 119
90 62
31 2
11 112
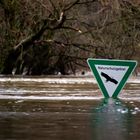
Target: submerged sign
111 75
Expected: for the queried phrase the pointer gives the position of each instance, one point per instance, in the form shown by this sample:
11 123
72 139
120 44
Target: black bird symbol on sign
108 78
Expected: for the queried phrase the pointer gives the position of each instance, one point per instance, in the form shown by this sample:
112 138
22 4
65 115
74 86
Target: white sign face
111 76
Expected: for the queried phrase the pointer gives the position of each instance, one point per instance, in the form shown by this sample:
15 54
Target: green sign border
131 64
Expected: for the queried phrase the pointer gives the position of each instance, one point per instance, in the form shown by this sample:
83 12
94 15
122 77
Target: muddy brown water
70 108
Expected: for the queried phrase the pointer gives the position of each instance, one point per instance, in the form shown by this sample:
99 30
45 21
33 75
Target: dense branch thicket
50 36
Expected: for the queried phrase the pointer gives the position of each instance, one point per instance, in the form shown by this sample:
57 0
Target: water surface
67 108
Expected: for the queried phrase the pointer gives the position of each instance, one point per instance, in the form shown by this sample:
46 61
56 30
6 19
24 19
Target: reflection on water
66 120
114 120
66 109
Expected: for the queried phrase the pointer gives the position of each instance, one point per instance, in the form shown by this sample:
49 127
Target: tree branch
47 24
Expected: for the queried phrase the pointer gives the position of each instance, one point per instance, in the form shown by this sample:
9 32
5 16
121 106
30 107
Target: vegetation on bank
50 36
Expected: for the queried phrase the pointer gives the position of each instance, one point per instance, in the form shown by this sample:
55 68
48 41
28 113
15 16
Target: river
66 108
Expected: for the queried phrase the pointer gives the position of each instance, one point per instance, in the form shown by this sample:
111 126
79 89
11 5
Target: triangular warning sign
111 75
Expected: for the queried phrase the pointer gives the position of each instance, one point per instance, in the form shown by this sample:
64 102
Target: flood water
68 108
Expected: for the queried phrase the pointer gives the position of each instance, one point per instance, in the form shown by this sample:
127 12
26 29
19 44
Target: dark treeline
50 36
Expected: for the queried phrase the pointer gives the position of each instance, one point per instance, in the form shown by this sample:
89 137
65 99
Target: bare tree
40 25
47 37
116 29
